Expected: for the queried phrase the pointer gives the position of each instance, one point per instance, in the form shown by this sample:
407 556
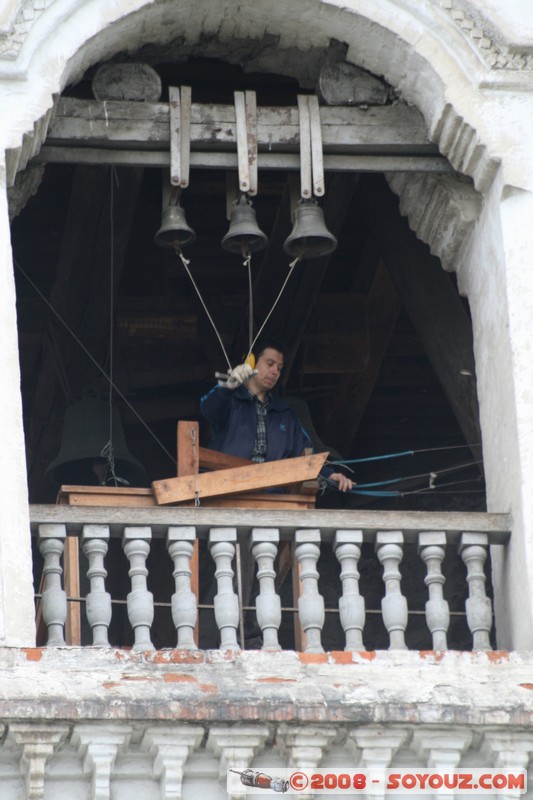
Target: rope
404 453
196 489
276 301
186 263
248 264
107 451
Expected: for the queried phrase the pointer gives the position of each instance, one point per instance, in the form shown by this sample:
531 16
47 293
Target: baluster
389 547
473 550
54 600
310 603
98 602
180 545
267 604
222 548
347 547
431 546
136 544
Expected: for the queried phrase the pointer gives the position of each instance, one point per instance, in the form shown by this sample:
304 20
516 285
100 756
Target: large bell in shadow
174 230
244 235
86 432
309 237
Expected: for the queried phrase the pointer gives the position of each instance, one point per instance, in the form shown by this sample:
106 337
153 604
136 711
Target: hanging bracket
180 134
311 155
246 125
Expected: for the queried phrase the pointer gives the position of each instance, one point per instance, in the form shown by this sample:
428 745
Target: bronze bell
174 231
86 432
244 235
309 237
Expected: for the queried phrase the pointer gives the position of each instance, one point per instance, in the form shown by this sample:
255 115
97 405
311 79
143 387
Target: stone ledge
68 683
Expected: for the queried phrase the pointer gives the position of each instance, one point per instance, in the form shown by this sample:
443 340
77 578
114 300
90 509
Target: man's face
268 366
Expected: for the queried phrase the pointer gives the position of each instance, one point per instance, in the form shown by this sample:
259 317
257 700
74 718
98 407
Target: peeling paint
33 653
174 677
313 658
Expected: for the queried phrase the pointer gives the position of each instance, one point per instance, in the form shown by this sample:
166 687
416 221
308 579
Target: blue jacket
233 420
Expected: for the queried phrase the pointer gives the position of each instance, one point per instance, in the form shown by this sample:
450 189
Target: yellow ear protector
251 361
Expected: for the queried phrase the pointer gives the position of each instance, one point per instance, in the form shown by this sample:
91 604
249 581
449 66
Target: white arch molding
472 82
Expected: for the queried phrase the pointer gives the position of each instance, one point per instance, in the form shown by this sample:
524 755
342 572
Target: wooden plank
271 474
187 448
71 561
388 129
212 459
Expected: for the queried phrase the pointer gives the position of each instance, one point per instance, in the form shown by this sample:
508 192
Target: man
248 421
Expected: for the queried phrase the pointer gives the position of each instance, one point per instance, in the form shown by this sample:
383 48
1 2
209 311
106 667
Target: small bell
244 235
174 231
309 237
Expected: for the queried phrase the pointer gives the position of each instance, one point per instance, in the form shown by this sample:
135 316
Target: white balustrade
95 540
431 546
347 547
54 599
310 603
473 548
180 545
222 548
347 543
389 548
264 543
136 544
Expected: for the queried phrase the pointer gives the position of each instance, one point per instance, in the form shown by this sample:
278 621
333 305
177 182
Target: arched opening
361 355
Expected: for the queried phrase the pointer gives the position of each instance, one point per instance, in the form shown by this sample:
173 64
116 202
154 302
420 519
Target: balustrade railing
245 557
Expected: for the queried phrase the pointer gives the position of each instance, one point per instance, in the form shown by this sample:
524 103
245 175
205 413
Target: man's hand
345 483
236 376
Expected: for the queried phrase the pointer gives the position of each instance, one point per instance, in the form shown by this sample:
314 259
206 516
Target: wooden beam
387 130
271 474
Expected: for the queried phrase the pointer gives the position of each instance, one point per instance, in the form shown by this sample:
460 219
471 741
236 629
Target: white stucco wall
476 93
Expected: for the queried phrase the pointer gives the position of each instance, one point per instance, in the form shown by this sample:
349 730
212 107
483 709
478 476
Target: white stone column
473 548
136 543
264 542
180 545
347 547
17 609
311 612
170 746
38 742
222 548
98 602
236 747
389 548
431 546
54 598
98 746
